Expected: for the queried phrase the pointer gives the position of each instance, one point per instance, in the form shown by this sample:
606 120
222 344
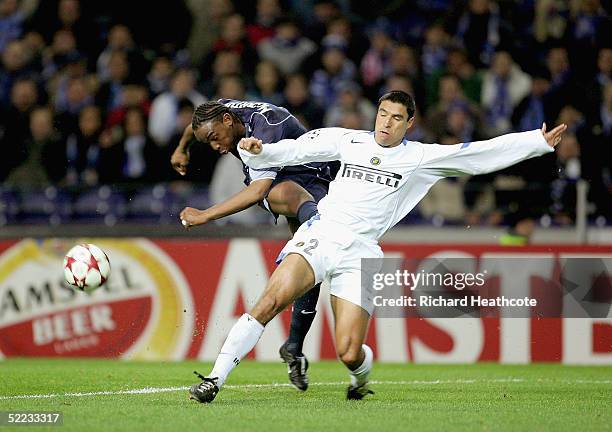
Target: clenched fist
179 161
191 217
252 145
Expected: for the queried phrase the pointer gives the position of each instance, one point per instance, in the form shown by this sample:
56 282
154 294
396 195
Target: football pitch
106 395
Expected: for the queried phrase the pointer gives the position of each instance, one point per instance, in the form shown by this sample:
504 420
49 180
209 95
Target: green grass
408 397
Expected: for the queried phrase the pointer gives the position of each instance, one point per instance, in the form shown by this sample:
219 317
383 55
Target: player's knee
350 354
271 302
266 308
295 195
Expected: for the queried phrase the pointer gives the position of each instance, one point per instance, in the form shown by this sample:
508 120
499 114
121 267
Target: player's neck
240 129
390 145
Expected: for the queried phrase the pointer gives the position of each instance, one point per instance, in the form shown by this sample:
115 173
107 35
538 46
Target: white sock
360 375
241 339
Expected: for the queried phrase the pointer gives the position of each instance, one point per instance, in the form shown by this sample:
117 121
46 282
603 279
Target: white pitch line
153 390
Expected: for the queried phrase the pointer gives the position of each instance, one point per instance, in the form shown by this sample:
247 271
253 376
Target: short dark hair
207 111
401 97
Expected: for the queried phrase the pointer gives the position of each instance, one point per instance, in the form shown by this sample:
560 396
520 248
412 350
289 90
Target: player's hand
192 217
179 161
252 145
554 137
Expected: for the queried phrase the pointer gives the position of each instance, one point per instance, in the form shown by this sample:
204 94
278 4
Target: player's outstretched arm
244 199
319 145
180 157
481 157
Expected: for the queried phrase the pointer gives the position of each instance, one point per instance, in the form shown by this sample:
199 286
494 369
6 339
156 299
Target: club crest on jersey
371 175
375 161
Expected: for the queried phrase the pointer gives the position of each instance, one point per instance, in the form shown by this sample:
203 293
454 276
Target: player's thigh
351 327
291 279
286 197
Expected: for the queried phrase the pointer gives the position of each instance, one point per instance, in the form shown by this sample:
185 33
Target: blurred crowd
95 94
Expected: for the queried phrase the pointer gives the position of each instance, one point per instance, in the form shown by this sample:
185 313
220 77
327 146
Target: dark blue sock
306 211
304 311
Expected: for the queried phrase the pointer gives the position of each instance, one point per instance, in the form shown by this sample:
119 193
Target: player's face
391 123
218 134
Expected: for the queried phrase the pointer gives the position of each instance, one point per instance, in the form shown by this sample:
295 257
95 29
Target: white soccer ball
86 267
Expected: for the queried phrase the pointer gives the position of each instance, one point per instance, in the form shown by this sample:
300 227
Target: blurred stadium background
94 98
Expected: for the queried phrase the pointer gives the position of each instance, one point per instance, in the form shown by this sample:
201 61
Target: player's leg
351 326
288 198
292 278
303 313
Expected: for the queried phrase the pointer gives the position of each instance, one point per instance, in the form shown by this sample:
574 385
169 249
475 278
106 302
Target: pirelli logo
371 175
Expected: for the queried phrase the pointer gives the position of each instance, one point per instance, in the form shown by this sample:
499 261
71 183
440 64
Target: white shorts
335 253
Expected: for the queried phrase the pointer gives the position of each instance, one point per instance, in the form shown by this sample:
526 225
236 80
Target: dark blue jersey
271 124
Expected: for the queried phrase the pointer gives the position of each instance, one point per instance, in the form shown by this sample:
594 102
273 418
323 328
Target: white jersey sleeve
319 145
260 174
481 157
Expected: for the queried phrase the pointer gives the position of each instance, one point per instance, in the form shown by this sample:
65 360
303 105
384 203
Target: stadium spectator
534 109
14 66
135 157
225 63
551 20
351 119
480 30
504 86
230 87
15 124
67 15
596 154
119 39
590 26
78 96
109 95
297 101
324 12
376 62
11 22
133 94
160 75
267 12
232 38
268 84
451 94
164 110
45 160
562 89
340 32
55 57
563 188
457 64
326 81
287 48
404 61
435 49
207 17
349 100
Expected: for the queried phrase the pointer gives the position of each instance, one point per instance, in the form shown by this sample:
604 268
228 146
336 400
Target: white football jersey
377 186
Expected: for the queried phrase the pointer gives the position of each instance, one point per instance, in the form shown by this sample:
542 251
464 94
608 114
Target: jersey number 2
313 244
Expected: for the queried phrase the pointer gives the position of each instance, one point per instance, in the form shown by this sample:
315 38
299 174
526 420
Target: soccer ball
86 267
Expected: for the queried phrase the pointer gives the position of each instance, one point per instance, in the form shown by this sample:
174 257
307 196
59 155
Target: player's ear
227 119
410 122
